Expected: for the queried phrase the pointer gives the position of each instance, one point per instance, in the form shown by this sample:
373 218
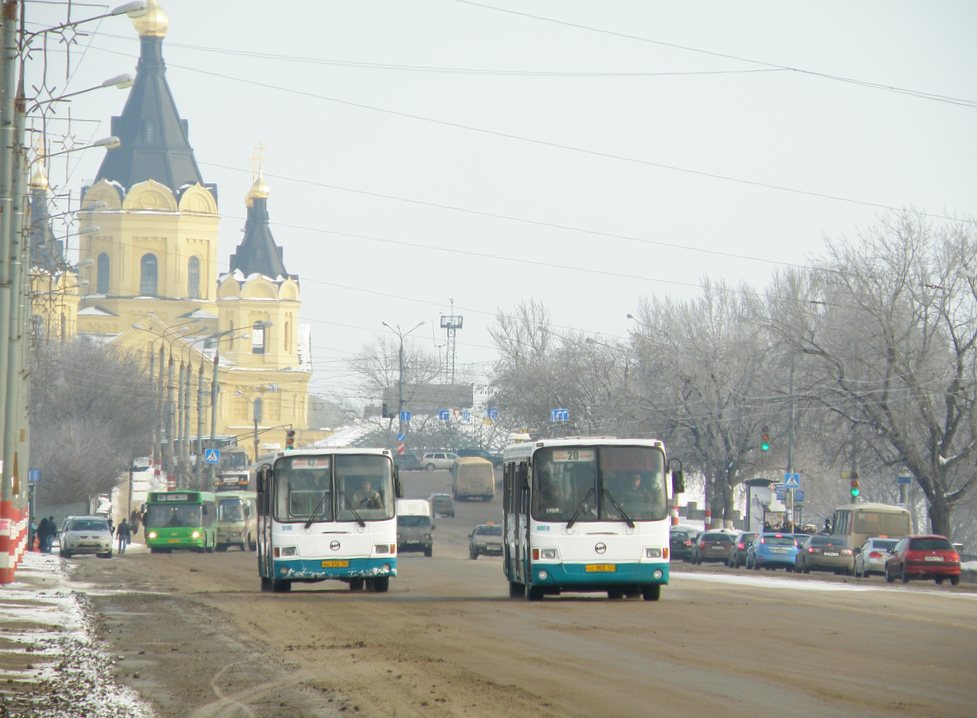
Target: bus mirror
678 482
398 489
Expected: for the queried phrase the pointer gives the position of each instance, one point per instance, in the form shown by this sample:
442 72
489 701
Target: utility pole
200 426
400 393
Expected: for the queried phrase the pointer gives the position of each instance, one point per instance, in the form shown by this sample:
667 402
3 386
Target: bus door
265 487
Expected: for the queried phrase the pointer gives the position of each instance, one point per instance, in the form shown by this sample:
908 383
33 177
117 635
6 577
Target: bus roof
873 506
327 452
524 449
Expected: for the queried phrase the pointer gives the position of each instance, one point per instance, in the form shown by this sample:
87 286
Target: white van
472 478
414 526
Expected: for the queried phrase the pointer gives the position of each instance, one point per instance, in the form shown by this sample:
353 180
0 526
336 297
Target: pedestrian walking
46 531
123 534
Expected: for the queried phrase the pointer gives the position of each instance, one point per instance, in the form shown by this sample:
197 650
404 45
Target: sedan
824 553
924 556
712 546
741 544
870 558
680 543
772 550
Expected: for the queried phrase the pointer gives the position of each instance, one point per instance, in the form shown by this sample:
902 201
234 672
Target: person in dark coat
123 535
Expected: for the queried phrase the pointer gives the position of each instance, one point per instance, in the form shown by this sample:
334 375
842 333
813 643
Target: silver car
438 460
86 535
871 557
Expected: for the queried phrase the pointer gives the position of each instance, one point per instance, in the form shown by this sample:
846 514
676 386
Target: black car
496 459
407 462
712 546
680 543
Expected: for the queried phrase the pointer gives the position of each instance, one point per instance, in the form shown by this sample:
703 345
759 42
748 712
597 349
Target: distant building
148 278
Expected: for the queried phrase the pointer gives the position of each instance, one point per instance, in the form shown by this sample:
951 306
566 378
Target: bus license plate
172 540
335 564
600 568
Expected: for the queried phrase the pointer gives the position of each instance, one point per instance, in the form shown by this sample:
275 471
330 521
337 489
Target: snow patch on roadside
66 673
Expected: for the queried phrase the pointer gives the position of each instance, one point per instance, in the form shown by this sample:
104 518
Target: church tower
155 247
260 297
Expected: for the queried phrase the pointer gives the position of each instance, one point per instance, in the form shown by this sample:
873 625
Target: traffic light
765 439
290 440
855 490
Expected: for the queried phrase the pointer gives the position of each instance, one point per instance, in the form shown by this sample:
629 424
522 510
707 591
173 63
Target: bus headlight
195 534
543 575
152 534
657 574
289 551
383 548
550 554
653 552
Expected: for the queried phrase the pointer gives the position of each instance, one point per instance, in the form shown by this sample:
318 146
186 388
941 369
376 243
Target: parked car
485 540
496 459
407 462
712 546
86 535
741 544
923 556
772 550
438 460
680 543
442 505
870 558
825 553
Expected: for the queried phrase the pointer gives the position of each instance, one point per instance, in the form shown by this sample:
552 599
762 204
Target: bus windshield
234 461
342 487
599 483
230 510
174 515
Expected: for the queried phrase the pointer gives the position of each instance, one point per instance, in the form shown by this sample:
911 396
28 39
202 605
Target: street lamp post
400 394
214 388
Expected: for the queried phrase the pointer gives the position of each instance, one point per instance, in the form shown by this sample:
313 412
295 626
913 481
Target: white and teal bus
587 514
328 514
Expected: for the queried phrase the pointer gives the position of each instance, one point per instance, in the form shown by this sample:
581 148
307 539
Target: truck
414 526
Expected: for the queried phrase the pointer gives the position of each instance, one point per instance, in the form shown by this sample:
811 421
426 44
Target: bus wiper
573 518
617 506
350 507
315 511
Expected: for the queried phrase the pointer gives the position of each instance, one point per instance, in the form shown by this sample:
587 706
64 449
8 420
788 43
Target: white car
438 460
86 534
871 557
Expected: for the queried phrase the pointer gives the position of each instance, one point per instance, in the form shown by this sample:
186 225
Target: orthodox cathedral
149 279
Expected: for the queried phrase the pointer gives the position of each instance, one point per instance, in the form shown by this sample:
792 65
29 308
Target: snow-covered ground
54 664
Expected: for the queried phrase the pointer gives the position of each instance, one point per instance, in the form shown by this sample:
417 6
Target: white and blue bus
328 514
587 514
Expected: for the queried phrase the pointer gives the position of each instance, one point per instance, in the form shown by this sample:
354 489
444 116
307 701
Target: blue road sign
904 480
466 416
212 456
401 437
493 413
798 496
559 415
405 417
444 414
792 481
33 476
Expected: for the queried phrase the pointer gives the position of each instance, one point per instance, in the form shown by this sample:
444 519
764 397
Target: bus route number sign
172 497
566 456
314 462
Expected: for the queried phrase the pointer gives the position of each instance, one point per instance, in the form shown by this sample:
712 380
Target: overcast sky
584 154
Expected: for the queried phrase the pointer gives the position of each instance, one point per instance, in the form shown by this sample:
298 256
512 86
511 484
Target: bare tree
701 374
92 410
888 328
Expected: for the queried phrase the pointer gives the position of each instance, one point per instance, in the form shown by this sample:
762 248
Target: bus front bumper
594 576
321 569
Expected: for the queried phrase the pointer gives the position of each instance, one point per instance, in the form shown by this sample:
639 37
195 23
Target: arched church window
102 274
193 278
147 275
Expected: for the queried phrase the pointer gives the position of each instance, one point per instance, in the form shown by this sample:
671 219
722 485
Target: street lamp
262 325
400 395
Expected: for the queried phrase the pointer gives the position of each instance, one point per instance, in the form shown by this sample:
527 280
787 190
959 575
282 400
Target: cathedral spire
258 253
155 139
